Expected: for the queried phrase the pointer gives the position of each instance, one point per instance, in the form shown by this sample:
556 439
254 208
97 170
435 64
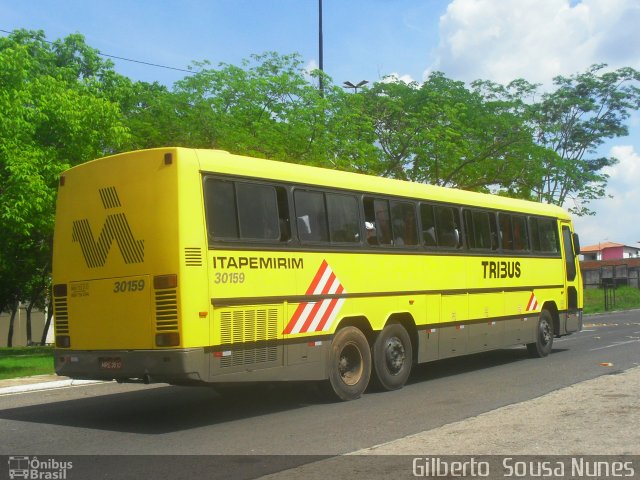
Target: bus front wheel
349 363
544 336
392 357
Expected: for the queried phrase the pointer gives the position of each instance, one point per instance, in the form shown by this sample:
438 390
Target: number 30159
128 286
229 278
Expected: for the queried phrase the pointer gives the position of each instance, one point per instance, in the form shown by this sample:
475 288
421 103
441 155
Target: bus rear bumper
178 366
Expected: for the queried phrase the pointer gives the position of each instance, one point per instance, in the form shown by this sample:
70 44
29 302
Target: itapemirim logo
116 227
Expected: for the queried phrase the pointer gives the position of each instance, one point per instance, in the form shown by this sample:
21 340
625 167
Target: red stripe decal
316 307
316 279
329 311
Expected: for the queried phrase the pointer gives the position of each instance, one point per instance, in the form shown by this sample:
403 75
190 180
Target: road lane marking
617 344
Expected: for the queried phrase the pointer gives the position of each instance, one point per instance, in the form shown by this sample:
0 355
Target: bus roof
223 162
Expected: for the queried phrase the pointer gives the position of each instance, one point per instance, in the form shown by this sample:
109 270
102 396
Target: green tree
442 133
571 122
268 107
54 114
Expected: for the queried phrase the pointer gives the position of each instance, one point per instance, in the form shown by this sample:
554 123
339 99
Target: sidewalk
38 382
595 417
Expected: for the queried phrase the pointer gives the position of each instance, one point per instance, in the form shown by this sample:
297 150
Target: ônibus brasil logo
116 227
35 468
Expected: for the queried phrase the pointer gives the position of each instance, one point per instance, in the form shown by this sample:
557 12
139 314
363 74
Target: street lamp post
355 87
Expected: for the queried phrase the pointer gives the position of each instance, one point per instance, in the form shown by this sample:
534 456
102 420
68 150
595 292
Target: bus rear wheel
544 336
392 357
349 364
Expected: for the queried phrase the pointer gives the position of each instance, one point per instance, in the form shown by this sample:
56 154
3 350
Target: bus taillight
169 339
163 282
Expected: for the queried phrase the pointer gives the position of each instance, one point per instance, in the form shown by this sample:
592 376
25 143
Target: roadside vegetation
626 298
25 361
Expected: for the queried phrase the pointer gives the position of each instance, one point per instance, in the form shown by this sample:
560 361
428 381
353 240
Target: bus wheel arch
544 335
393 352
361 323
552 308
349 362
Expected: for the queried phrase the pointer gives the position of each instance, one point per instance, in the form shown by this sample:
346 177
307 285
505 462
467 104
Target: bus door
571 320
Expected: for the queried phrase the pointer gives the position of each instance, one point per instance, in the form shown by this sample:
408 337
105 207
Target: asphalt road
290 419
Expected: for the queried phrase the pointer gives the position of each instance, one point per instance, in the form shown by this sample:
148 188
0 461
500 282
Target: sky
497 40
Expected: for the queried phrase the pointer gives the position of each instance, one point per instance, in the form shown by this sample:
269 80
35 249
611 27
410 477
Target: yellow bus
188 266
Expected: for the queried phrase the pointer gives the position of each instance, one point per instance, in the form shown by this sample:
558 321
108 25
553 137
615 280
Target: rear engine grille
257 329
166 310
61 315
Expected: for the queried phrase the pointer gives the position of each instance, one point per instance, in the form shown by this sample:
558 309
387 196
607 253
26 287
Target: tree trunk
29 335
14 311
47 324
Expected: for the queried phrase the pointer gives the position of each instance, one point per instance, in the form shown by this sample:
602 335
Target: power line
190 72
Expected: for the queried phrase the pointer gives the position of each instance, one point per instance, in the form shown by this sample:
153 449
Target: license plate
111 363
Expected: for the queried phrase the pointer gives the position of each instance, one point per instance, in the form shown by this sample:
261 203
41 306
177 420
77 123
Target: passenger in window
430 236
370 228
382 223
398 231
304 227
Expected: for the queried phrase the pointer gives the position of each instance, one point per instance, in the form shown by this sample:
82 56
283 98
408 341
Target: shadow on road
169 409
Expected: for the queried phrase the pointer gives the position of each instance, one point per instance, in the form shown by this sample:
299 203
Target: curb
34 387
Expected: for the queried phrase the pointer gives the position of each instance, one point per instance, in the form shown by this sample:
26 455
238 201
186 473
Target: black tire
349 364
392 357
544 336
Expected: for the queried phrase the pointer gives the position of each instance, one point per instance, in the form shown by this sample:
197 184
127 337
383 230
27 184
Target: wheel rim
350 364
394 355
545 332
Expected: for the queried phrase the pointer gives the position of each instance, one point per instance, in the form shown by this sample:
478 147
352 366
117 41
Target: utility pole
320 47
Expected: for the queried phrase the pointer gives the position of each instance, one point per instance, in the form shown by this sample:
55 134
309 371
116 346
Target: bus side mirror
576 244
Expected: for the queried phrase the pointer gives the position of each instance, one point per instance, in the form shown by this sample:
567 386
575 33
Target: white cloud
396 77
618 218
502 40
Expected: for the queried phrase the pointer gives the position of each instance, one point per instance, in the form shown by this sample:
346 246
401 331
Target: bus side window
377 214
549 236
480 229
283 214
311 216
535 234
344 221
257 211
506 235
428 225
403 220
520 233
448 227
220 203
544 235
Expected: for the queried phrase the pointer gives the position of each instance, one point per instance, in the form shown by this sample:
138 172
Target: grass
25 361
626 298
